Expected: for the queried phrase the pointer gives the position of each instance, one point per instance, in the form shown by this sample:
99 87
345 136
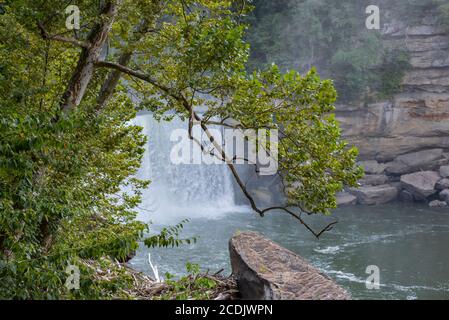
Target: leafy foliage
191 286
62 177
169 237
67 191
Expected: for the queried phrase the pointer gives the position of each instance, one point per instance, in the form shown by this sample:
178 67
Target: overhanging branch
134 73
194 117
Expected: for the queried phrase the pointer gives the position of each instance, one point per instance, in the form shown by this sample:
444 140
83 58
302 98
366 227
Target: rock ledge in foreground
266 271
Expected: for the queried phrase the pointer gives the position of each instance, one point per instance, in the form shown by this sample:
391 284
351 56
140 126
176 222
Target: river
407 242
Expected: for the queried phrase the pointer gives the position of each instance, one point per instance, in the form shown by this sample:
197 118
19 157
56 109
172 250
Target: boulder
437 204
444 195
373 195
372 167
263 197
442 184
373 180
444 171
421 184
406 196
411 162
266 271
346 199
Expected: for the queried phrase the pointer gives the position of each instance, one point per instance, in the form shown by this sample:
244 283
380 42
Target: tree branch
45 35
136 74
194 117
109 85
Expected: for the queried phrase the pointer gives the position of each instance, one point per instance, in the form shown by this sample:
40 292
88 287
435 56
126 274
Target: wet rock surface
266 271
374 195
444 195
444 171
421 184
437 204
417 117
442 184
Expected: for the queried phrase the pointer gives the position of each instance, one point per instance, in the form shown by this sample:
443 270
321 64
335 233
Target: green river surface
407 242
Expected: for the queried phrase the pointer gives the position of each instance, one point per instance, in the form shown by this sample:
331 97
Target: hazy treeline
332 36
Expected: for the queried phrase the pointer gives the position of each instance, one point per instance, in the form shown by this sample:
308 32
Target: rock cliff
418 117
404 140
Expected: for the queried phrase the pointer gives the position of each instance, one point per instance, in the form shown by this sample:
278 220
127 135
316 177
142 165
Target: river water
408 243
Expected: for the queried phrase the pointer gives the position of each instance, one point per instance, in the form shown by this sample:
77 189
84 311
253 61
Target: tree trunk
89 56
77 86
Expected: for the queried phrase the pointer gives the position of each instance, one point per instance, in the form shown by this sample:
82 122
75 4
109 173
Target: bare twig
45 35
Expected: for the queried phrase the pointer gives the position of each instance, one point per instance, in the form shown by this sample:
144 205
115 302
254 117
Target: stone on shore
266 271
412 162
442 184
346 199
406 196
421 184
437 204
374 195
373 180
444 171
372 167
444 195
263 197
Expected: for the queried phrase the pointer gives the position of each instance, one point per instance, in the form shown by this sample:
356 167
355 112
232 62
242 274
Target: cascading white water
179 191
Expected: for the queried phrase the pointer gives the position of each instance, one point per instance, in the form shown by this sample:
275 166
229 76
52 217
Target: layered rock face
417 118
266 271
403 142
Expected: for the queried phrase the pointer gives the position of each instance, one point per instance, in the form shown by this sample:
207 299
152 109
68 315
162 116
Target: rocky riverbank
404 141
418 176
416 118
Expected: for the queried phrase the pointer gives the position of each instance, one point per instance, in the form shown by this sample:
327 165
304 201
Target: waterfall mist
180 191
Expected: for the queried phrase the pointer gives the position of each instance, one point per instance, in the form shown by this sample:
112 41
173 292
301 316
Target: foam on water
328 250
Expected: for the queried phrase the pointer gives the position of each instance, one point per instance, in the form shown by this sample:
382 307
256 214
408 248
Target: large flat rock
421 184
267 271
375 195
416 161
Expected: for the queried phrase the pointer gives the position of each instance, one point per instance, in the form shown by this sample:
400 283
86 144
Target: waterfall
180 191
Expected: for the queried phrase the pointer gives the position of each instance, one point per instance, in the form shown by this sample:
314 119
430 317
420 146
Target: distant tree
67 148
331 35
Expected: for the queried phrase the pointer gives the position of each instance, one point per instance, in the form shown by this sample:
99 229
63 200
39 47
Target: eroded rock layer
266 271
